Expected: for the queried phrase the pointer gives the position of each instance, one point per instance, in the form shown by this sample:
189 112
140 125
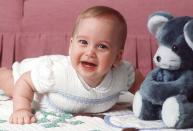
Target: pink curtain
29 28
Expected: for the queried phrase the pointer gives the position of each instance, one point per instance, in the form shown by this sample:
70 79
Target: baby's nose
91 52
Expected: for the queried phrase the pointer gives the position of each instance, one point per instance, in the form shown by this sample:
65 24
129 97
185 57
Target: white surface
126 119
78 123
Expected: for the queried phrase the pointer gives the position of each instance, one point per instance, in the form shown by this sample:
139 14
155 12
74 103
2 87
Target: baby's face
94 49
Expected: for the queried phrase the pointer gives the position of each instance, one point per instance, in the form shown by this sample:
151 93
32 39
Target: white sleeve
23 66
42 75
129 72
124 76
131 75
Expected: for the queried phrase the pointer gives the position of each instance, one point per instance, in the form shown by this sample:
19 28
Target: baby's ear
69 49
157 20
188 33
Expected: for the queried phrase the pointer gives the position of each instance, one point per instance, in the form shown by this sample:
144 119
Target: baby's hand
22 117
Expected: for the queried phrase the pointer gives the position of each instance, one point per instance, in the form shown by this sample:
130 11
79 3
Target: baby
89 80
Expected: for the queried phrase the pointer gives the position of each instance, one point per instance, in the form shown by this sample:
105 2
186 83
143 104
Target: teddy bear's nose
158 58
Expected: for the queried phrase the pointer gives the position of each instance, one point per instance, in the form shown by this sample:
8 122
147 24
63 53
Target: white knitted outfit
60 88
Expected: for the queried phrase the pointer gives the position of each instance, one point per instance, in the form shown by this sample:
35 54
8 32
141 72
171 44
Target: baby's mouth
88 65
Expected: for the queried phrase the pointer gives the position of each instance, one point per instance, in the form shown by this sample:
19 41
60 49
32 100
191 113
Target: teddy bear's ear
157 20
188 33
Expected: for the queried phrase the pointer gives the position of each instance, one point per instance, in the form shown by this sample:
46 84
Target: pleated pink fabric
30 28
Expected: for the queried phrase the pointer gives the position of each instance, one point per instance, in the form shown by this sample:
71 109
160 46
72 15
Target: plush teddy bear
167 91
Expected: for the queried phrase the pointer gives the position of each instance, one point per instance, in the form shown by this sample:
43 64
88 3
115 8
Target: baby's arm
22 98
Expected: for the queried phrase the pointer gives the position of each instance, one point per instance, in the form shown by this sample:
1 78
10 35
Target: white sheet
49 121
126 119
115 120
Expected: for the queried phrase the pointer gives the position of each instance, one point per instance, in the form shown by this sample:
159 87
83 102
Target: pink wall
64 12
59 15
30 28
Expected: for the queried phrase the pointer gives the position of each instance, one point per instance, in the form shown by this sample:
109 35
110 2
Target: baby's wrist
22 109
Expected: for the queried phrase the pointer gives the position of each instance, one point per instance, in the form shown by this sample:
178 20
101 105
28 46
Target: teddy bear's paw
170 112
137 104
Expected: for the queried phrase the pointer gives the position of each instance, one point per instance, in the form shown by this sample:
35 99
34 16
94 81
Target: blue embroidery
87 100
81 100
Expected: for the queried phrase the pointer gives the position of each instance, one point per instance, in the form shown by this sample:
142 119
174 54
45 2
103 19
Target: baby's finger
20 120
33 119
27 120
14 120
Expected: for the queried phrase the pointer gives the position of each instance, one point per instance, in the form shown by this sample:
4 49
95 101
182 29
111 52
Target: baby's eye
84 42
102 46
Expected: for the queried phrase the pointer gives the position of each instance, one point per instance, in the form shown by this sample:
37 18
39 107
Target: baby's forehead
113 22
109 18
98 25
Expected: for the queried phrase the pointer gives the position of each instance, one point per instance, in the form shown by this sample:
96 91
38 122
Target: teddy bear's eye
174 48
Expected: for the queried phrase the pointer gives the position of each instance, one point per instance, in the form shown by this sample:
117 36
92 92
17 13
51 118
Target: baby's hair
104 11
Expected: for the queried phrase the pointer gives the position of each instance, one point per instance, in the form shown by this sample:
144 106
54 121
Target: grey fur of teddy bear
167 91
